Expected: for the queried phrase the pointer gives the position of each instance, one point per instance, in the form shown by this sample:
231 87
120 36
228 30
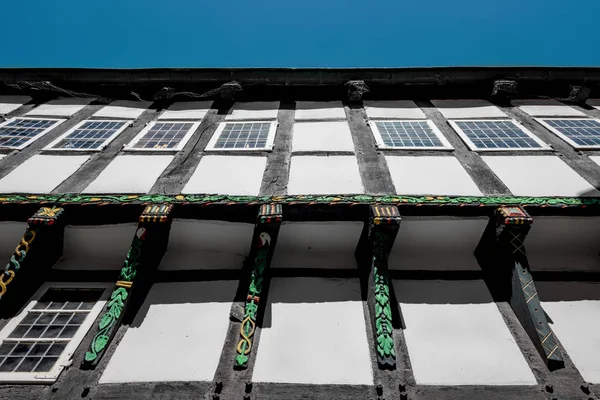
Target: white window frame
127 124
31 140
64 359
221 127
181 145
541 121
381 144
543 146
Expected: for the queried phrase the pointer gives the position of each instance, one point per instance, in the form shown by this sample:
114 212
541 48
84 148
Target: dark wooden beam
144 255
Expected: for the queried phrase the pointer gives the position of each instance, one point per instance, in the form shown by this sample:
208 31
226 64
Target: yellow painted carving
49 211
246 337
3 284
24 243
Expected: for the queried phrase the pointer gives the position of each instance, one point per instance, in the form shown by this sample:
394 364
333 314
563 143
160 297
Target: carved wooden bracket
512 225
383 227
153 218
263 245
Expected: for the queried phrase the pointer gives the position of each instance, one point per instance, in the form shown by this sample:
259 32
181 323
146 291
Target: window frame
180 145
128 123
66 356
57 122
270 136
543 145
541 121
380 144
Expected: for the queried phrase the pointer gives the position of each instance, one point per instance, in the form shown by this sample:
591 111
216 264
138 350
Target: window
17 133
243 136
485 135
163 136
408 135
89 135
579 133
37 344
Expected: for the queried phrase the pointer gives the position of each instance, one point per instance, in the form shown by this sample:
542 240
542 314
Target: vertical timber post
153 222
512 225
384 223
265 237
39 248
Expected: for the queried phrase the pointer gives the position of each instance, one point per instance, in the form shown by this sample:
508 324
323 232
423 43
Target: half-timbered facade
300 234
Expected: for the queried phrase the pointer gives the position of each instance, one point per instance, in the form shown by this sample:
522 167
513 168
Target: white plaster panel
63 107
235 175
430 175
321 110
130 174
399 109
178 334
564 244
455 240
207 245
594 103
10 235
254 110
99 247
11 103
595 159
457 109
127 109
456 336
539 176
317 245
574 309
322 136
547 108
319 322
187 110
41 174
324 175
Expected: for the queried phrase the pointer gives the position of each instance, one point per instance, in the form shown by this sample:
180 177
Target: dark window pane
46 364
19 331
6 347
72 305
28 364
21 349
56 305
46 318
41 305
62 318
30 318
78 319
53 331
56 349
36 331
39 349
10 364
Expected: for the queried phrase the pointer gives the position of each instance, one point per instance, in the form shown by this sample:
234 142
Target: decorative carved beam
153 222
39 227
383 227
265 236
512 225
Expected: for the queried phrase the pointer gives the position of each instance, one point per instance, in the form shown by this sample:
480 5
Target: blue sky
305 33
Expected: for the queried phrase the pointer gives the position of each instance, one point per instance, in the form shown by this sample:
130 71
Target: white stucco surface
240 175
456 336
564 244
433 175
539 176
41 174
63 107
324 175
130 174
455 240
177 335
322 136
457 109
595 159
400 109
574 308
594 103
186 110
196 244
127 109
98 247
317 245
547 108
10 235
266 110
11 103
314 334
322 110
